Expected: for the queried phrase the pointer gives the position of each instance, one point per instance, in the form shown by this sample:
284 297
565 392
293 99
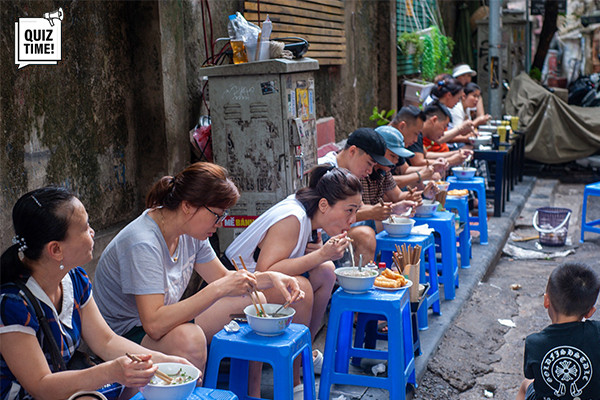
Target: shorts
135 334
530 392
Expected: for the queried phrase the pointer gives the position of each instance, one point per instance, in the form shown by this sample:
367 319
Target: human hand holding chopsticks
381 211
287 285
139 361
335 247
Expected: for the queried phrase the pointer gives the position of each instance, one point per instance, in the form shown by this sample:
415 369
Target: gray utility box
263 131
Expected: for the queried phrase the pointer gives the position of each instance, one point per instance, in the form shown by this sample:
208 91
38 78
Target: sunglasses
219 218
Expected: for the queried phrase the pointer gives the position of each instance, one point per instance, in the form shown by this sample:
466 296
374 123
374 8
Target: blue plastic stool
202 393
476 184
279 351
393 306
443 223
386 244
461 204
593 189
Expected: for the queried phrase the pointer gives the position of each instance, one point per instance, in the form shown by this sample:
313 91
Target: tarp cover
555 131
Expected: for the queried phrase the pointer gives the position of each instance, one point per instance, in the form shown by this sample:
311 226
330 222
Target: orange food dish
458 192
390 279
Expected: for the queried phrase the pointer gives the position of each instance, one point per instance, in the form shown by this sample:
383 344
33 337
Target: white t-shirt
245 244
137 262
329 158
459 114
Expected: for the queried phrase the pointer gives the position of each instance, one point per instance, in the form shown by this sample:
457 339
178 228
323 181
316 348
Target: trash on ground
515 286
507 322
341 397
520 253
378 369
488 394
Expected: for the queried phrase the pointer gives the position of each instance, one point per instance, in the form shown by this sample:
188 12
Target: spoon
284 305
467 161
360 260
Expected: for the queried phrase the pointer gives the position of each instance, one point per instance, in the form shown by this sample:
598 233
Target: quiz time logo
38 40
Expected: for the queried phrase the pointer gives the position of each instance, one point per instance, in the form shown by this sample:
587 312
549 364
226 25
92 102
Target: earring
61 267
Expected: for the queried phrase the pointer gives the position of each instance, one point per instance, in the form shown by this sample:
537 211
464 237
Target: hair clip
22 245
441 83
36 200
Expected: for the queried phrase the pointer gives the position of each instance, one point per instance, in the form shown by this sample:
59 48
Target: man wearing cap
464 74
408 122
365 149
437 117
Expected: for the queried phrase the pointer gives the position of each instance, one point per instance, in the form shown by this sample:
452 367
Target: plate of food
390 280
458 193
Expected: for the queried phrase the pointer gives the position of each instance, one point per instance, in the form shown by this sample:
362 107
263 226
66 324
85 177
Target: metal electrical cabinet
263 131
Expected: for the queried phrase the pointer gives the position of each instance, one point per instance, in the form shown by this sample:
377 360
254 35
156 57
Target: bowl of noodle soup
184 377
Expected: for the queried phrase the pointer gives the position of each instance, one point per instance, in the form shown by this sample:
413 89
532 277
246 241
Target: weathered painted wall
114 114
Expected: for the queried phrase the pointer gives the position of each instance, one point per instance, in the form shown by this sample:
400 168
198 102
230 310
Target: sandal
317 361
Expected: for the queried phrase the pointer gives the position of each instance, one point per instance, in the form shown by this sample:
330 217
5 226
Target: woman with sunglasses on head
285 239
144 271
47 309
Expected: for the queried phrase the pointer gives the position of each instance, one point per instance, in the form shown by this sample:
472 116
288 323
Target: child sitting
562 360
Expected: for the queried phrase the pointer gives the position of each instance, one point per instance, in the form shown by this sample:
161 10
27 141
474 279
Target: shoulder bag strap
57 359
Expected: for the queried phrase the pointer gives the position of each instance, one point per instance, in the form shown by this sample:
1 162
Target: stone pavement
484 258
478 356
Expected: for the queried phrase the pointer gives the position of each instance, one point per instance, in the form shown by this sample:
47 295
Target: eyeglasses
220 218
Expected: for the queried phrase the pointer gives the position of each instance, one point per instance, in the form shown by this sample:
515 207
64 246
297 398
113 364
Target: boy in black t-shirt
563 360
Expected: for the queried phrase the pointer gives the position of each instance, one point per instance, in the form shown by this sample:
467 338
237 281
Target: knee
325 274
364 236
189 341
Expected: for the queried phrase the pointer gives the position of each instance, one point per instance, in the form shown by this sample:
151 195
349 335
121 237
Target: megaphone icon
58 14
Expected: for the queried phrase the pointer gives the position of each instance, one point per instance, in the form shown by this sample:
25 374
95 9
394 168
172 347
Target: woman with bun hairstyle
144 271
448 91
42 270
280 240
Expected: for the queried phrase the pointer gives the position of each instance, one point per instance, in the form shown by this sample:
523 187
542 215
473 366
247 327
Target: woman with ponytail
448 91
279 240
41 275
144 271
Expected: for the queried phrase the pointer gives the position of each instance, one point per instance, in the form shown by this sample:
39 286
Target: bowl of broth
184 381
271 324
355 281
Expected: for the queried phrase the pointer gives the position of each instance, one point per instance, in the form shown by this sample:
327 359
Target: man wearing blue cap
365 150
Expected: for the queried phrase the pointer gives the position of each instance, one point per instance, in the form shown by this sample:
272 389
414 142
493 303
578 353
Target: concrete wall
114 114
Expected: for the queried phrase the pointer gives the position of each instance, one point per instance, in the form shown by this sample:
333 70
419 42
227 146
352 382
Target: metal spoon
284 305
360 260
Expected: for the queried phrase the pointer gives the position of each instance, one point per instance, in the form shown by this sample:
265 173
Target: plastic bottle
236 40
263 40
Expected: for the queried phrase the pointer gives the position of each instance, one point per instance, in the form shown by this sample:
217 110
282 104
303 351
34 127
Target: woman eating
41 273
279 240
467 105
144 271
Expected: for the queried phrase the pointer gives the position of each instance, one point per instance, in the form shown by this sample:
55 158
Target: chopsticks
158 372
406 255
254 292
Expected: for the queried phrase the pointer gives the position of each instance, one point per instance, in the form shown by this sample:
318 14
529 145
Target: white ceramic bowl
481 140
398 226
269 326
427 208
157 391
349 280
462 173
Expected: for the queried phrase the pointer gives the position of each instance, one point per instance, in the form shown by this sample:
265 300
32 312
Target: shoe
317 361
299 392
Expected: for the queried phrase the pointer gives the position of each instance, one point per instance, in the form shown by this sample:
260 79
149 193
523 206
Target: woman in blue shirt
53 238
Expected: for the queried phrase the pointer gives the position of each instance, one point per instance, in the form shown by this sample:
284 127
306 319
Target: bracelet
419 175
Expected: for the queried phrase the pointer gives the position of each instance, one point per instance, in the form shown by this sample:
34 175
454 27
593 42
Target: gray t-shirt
137 262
